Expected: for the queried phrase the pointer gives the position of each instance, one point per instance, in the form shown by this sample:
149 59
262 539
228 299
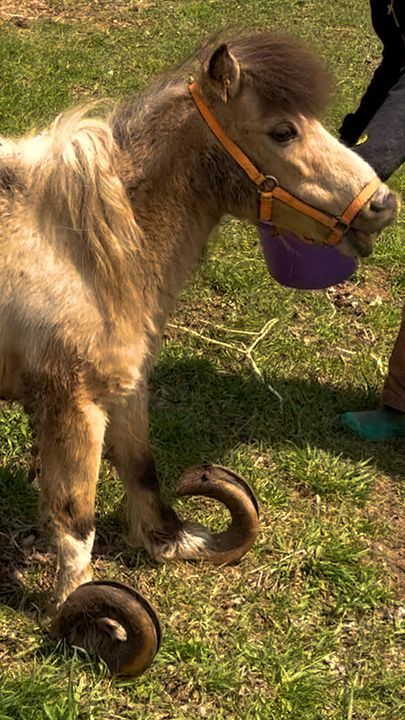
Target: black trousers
381 117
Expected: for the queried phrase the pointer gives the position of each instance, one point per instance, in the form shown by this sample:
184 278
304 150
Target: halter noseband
337 225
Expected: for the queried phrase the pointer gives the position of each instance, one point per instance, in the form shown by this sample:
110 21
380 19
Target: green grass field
307 627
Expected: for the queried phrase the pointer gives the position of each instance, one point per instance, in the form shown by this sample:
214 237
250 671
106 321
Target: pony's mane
69 175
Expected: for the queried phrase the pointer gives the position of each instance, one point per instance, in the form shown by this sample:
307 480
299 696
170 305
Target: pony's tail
75 185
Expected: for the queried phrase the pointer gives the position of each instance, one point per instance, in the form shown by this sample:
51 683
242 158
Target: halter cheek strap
336 225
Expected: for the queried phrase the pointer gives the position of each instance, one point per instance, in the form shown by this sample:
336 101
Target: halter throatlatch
269 188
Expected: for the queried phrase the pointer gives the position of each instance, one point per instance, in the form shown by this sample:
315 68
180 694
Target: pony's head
266 91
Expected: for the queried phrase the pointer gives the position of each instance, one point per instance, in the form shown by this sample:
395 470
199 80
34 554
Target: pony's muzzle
384 200
380 211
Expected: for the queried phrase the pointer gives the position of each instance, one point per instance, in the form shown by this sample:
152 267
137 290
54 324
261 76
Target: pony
103 218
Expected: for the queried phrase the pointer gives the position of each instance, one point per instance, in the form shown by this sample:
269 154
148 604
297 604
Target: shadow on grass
198 414
19 502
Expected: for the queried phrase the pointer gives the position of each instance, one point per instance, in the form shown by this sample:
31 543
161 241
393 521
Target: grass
307 626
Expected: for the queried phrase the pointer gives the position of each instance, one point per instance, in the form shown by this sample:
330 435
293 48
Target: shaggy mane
70 174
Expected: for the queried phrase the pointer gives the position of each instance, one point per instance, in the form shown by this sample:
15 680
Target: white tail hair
73 181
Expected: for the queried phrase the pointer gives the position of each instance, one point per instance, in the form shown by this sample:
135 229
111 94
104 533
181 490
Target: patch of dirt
357 297
21 552
386 506
121 13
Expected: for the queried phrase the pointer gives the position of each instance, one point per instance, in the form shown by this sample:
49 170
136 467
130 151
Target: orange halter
337 226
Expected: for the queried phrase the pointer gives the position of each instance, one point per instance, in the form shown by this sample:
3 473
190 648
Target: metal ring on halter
269 179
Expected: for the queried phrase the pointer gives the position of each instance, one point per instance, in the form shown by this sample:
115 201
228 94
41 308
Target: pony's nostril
376 206
383 200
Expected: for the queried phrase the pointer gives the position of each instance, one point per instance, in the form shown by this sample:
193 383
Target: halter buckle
268 184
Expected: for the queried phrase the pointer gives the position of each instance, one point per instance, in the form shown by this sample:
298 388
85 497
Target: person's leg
384 148
388 421
393 394
384 79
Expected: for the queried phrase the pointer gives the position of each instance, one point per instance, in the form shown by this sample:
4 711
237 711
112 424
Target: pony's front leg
153 524
151 521
70 439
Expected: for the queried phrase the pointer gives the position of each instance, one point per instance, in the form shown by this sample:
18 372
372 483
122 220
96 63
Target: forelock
284 71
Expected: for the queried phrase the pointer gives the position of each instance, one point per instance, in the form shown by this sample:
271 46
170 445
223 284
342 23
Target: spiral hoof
113 622
223 484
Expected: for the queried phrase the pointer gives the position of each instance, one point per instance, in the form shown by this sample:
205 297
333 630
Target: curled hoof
112 621
221 483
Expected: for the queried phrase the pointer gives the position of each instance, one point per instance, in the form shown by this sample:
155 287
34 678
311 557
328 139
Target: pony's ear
223 73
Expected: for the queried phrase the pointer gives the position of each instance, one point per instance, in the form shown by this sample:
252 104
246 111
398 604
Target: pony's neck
171 197
176 230
180 183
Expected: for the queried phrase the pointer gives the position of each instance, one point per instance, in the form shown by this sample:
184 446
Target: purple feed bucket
296 263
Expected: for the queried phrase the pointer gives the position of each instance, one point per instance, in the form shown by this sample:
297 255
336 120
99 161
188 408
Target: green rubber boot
382 424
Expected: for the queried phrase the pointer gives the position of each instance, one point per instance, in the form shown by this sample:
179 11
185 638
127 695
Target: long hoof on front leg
191 541
112 621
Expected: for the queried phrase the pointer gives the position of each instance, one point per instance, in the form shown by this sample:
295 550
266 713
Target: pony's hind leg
70 437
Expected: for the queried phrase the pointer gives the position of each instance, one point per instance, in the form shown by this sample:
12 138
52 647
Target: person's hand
349 131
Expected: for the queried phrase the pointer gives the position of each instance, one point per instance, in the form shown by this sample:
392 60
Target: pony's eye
284 132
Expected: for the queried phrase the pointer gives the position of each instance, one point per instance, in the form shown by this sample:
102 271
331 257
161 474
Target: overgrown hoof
113 622
223 484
